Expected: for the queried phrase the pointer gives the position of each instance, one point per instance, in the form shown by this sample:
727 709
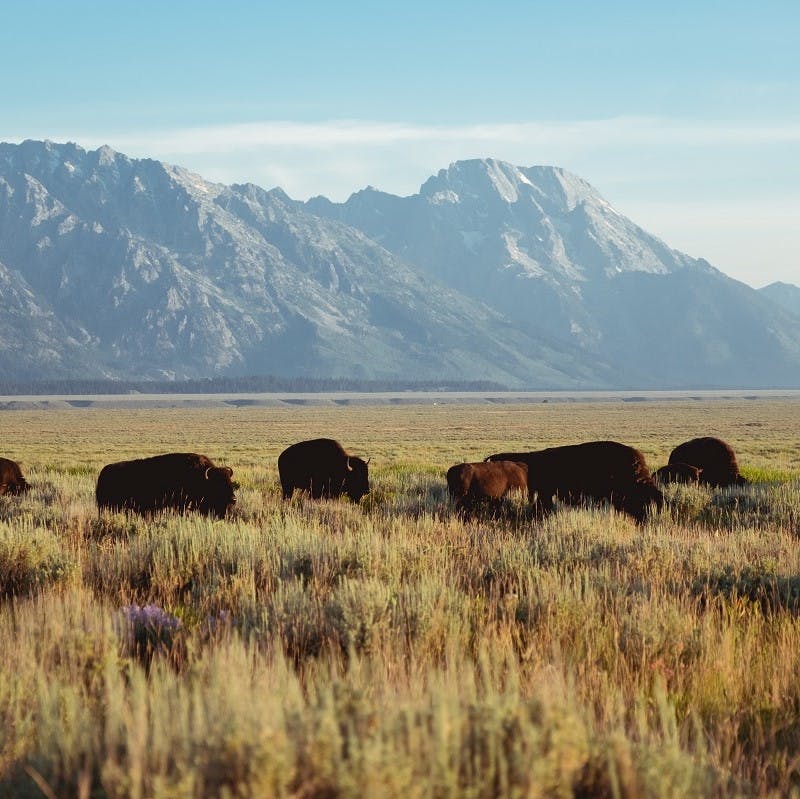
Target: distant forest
238 385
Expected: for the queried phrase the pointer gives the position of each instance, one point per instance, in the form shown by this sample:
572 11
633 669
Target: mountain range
132 268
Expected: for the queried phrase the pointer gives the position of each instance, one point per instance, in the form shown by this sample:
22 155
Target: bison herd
597 471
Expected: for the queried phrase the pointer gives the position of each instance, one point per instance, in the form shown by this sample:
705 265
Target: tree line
237 385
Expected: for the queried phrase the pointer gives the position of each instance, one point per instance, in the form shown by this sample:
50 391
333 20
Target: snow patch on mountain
443 198
530 267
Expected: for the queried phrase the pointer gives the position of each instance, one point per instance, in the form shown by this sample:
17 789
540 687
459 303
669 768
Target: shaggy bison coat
181 481
11 479
715 459
677 473
596 470
472 484
324 469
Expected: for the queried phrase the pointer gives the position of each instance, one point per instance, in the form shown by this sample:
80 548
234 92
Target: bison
181 481
677 473
471 484
715 459
324 469
11 479
595 470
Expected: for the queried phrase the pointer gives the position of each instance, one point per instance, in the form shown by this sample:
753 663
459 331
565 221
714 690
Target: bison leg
320 489
622 503
638 501
495 505
541 503
465 506
288 489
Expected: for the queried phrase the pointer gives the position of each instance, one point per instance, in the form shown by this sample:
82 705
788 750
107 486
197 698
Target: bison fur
473 484
677 473
182 481
715 459
595 470
11 479
324 469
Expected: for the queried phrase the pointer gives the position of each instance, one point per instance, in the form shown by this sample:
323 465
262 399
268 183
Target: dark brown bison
323 468
11 479
473 484
715 459
677 473
596 470
182 481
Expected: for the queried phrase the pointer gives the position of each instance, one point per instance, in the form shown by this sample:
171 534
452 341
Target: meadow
327 650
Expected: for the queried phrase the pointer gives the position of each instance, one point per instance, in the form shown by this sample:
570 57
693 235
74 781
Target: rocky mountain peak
519 275
482 178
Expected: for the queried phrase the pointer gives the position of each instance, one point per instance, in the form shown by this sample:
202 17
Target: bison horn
349 467
369 459
208 470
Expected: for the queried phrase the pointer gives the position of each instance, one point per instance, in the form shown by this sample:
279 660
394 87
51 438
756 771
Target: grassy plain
391 650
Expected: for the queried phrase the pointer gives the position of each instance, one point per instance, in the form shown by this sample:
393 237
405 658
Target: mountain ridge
787 295
119 267
162 273
539 243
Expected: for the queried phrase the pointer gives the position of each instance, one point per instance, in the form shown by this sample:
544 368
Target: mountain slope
137 268
34 340
787 295
544 248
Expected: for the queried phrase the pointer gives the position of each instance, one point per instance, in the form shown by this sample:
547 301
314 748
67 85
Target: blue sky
685 115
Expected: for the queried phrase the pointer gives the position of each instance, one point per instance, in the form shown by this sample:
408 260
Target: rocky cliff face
545 249
111 266
137 268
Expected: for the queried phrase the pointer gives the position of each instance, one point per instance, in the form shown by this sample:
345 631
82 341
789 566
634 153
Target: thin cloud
358 133
740 179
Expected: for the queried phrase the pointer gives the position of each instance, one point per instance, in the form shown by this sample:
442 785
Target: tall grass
392 649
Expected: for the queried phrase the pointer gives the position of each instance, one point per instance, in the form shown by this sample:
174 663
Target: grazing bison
677 473
471 484
715 459
596 470
181 481
11 479
323 468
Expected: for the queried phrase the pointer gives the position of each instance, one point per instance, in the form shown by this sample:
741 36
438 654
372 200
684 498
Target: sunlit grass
392 649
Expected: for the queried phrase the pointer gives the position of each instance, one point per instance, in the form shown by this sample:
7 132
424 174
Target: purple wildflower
151 617
148 630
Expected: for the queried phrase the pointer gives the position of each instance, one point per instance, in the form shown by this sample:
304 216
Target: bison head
356 481
220 489
15 487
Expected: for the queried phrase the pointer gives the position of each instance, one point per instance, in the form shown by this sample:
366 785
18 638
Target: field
327 650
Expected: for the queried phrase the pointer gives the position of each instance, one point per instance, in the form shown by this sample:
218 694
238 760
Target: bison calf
324 469
677 473
596 470
715 459
11 479
180 481
472 484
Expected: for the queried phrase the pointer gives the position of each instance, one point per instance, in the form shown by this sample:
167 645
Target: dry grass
392 650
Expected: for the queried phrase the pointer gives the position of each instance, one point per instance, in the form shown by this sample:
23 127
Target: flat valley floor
394 649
